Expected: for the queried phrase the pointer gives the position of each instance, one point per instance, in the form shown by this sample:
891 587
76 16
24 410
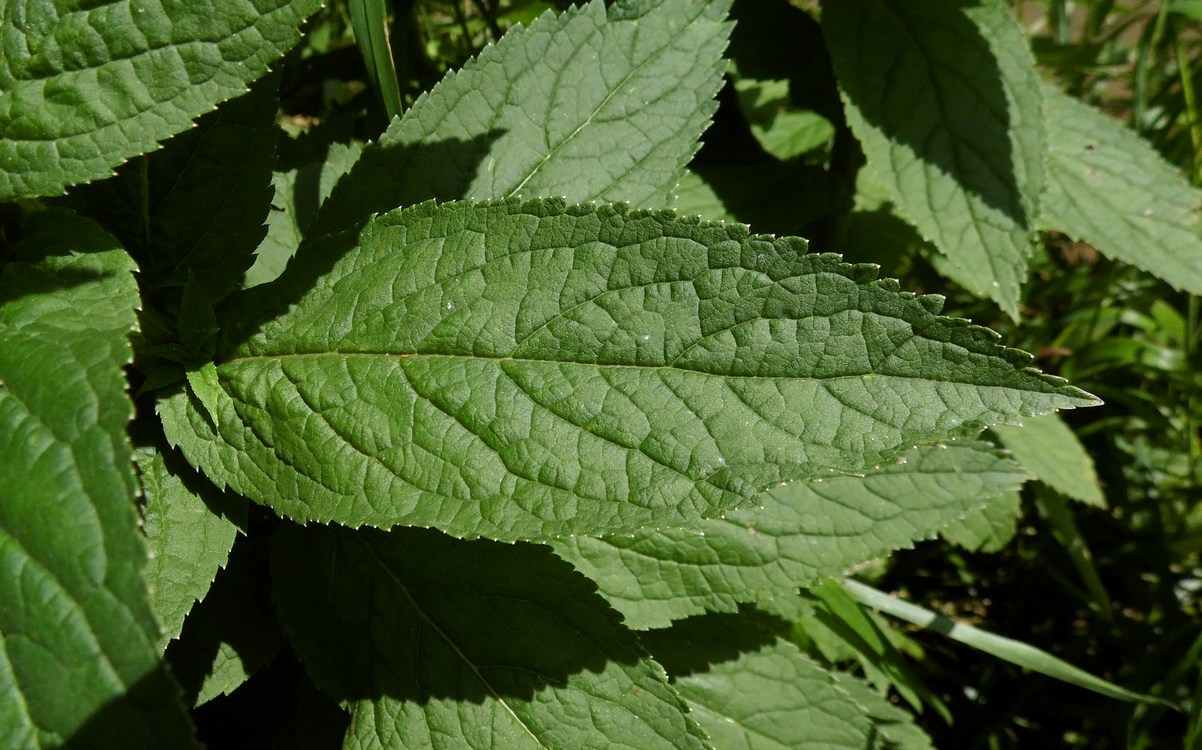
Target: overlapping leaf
198 204
988 528
189 531
947 108
590 105
524 370
437 642
86 86
801 533
1109 187
1049 449
78 652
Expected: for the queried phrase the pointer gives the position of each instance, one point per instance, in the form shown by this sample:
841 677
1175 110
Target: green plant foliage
538 115
197 205
500 645
947 108
989 528
189 533
508 357
799 534
1110 188
77 635
83 89
1047 447
581 469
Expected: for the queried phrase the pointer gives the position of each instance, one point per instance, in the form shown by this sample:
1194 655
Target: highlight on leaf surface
523 370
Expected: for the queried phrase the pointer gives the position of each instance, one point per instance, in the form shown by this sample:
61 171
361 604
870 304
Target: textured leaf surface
523 370
198 204
1109 187
896 726
299 193
78 656
989 528
437 642
1050 450
233 632
750 688
948 110
583 105
86 86
801 533
189 531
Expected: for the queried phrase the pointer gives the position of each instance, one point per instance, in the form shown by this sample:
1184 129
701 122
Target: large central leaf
525 370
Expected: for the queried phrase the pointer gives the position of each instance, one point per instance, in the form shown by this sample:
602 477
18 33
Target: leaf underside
1109 187
525 370
948 110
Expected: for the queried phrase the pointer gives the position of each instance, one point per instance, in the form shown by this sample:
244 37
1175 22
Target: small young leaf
525 370
584 105
86 86
1049 449
801 533
189 530
78 642
1109 187
945 100
496 645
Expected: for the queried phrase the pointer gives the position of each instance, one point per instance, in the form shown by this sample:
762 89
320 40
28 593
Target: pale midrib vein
448 640
601 365
596 110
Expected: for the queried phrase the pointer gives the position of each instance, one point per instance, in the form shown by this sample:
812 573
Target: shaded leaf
947 108
437 642
86 86
197 205
1049 449
989 528
801 533
1109 187
190 528
78 653
524 370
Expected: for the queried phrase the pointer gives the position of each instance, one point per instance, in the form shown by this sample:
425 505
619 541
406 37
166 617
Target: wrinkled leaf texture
521 370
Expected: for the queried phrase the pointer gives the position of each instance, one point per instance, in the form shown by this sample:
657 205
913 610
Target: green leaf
1008 649
78 655
989 528
299 193
86 86
233 632
190 528
581 105
748 688
1109 187
802 532
197 205
947 108
496 645
525 370
784 130
1049 449
896 726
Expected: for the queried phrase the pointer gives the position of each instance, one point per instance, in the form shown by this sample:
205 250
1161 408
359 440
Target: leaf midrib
447 639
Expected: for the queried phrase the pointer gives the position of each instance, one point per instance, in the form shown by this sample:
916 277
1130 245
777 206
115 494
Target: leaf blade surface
947 108
524 370
475 644
84 87
78 656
